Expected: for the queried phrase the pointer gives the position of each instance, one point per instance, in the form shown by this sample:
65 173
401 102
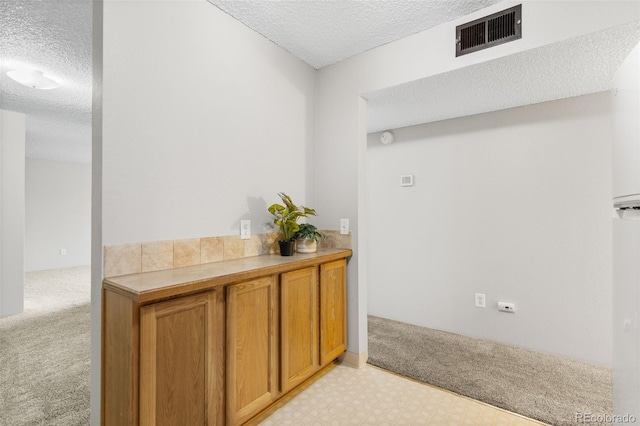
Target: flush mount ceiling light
33 79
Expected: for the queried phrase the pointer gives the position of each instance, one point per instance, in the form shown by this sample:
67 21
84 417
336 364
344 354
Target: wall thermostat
406 180
386 138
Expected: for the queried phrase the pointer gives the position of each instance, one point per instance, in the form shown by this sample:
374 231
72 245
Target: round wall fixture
387 137
33 79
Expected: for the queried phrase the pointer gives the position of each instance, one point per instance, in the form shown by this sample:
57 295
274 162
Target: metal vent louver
489 31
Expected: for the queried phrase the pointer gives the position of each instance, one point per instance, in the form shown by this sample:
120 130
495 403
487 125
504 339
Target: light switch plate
344 226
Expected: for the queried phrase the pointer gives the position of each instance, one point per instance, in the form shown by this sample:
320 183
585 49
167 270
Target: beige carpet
45 352
540 386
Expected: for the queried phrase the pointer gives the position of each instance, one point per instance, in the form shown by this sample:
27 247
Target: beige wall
58 214
12 165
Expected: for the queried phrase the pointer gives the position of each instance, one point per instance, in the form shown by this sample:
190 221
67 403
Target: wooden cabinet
216 344
333 310
299 354
251 348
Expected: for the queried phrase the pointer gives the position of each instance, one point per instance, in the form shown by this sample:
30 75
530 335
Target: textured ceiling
574 67
323 32
53 37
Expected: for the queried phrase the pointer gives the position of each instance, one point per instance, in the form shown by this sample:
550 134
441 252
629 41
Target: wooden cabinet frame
120 359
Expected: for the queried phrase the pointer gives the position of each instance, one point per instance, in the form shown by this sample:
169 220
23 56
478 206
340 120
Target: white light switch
344 226
245 229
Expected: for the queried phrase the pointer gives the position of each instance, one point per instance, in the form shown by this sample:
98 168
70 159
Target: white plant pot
307 245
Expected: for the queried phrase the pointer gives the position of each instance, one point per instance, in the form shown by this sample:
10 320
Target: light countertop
150 286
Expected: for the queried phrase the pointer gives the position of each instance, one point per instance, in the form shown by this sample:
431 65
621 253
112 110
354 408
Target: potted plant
286 218
307 238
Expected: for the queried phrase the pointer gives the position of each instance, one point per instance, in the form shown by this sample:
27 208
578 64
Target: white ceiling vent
492 30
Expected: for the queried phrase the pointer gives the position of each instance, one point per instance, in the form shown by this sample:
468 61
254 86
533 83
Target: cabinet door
333 310
182 361
298 326
251 348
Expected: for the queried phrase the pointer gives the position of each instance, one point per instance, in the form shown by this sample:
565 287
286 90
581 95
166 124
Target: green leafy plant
309 231
286 216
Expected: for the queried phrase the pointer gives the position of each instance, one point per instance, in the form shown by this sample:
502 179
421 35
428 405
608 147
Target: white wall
514 204
626 130
626 239
58 214
341 121
97 270
12 151
204 121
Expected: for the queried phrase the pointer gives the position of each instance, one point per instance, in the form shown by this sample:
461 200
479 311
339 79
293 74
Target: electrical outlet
481 301
63 252
245 229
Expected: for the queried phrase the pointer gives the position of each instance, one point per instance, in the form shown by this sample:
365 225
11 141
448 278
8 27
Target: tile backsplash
133 258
